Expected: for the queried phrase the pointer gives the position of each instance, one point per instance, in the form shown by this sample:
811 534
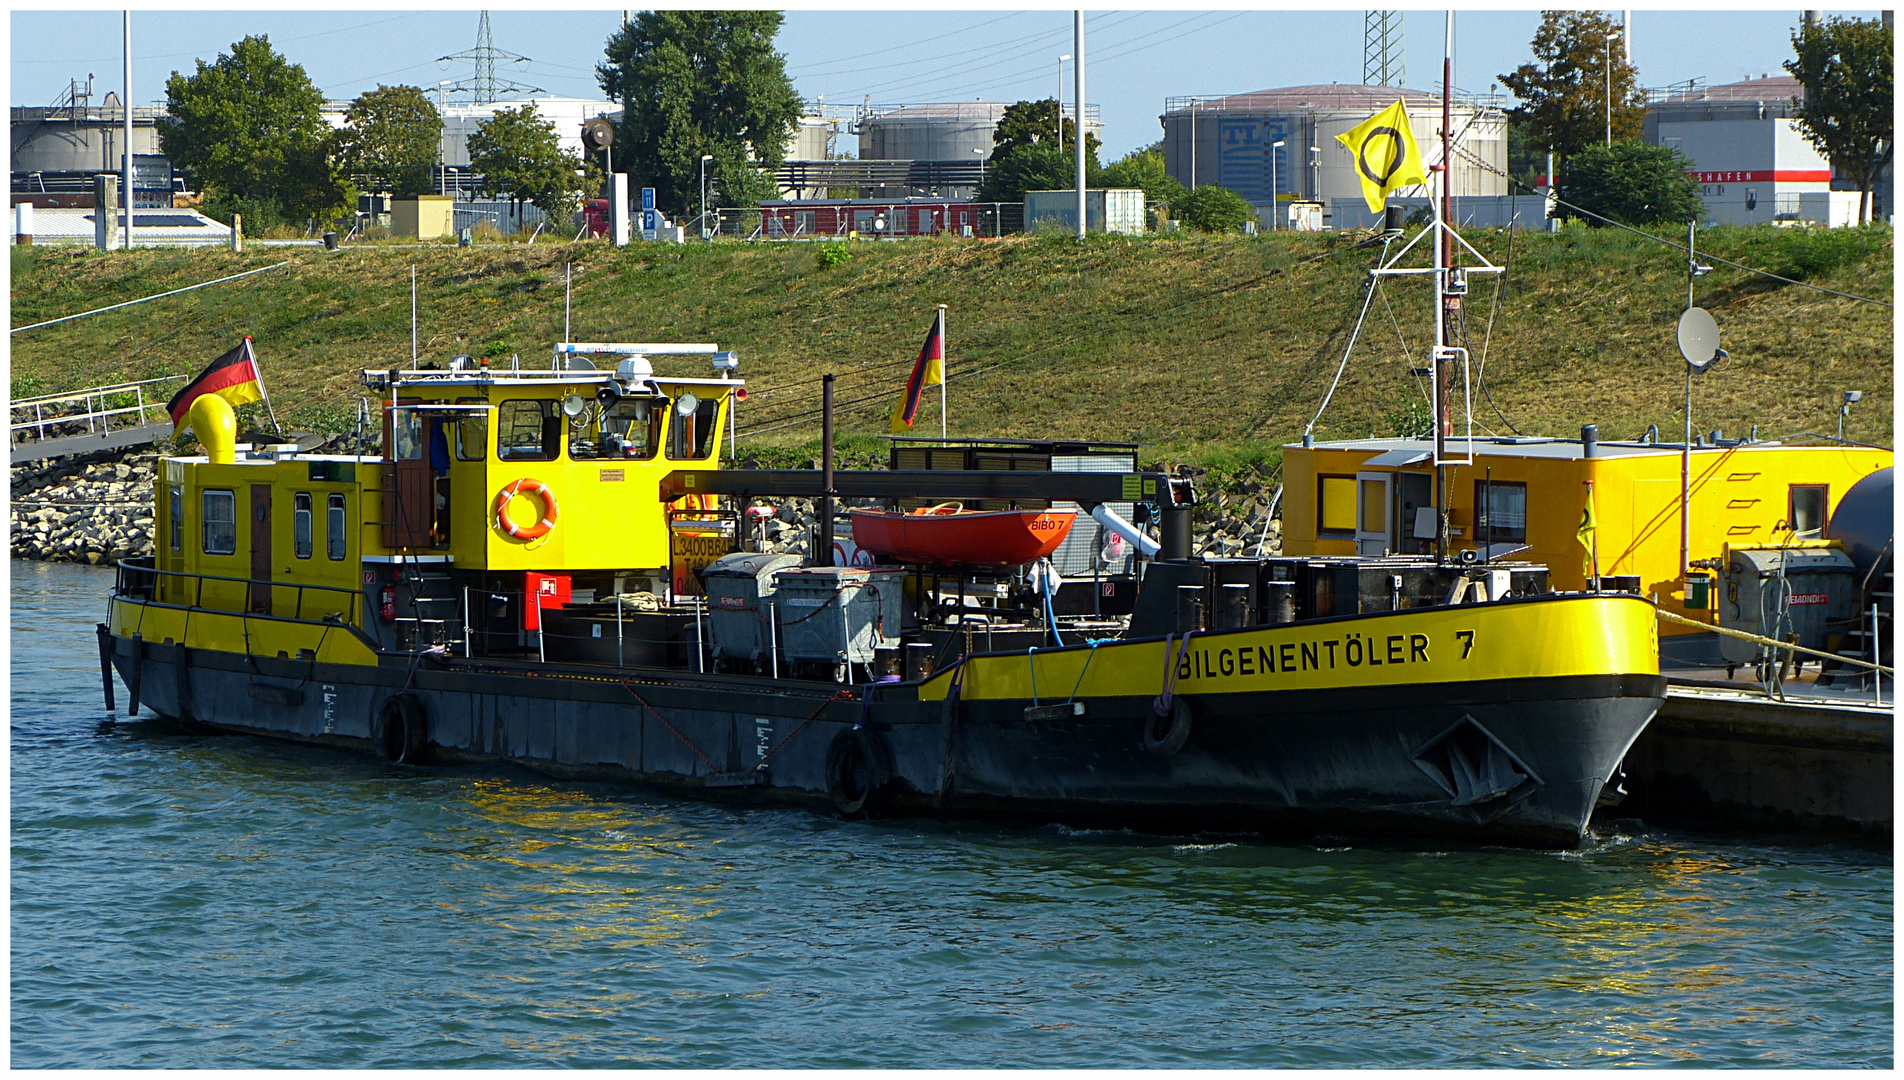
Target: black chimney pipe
823 555
1589 440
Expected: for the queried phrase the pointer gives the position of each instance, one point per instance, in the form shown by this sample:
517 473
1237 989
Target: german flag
233 376
927 370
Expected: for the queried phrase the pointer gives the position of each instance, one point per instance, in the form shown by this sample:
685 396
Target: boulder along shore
98 508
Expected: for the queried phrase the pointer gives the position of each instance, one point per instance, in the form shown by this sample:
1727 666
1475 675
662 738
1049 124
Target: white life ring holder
529 486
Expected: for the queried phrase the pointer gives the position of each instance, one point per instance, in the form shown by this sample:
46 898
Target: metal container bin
1818 587
738 587
839 614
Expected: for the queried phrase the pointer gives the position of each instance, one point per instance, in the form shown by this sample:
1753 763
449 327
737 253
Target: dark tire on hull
858 772
403 731
1165 735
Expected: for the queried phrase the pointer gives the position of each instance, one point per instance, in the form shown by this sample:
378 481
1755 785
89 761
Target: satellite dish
686 404
1699 339
573 405
598 134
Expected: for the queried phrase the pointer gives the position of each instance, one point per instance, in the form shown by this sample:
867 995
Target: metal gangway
83 421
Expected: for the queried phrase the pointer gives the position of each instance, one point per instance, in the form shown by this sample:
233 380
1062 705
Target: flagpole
942 440
262 392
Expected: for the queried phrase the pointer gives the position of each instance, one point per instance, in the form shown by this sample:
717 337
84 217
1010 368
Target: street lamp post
1275 208
1611 37
705 158
1315 173
1061 61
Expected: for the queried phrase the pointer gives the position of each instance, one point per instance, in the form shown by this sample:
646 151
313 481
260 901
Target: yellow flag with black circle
1386 157
1587 534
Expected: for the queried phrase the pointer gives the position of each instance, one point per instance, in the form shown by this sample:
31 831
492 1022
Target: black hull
1292 763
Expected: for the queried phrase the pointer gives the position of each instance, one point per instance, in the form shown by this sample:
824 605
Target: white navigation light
573 405
686 404
726 362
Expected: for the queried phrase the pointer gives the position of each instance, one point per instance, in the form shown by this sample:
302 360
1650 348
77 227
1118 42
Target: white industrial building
1753 164
1231 141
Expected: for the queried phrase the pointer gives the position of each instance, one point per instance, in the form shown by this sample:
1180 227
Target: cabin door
1374 514
1413 492
409 509
261 549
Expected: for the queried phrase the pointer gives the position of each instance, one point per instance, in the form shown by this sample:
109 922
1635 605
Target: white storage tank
1117 210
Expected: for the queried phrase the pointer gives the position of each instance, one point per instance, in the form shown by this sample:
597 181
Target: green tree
391 137
695 83
1214 209
1630 182
1845 66
1564 92
1038 167
1144 169
1035 123
520 157
248 127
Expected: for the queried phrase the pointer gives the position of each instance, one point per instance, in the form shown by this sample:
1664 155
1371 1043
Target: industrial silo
1235 139
945 142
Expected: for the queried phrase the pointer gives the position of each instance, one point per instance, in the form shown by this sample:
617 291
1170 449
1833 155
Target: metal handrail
96 417
123 589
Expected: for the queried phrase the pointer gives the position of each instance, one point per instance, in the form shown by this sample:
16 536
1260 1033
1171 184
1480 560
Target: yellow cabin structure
501 472
1376 496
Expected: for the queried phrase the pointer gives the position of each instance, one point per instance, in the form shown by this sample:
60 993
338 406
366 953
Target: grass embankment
1208 350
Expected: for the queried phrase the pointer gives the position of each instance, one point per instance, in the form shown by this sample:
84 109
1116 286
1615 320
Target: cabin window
528 431
335 531
221 522
301 524
628 429
472 432
1500 512
1808 510
177 518
1335 506
406 434
692 436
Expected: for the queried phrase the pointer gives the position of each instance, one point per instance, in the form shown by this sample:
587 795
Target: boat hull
1399 759
989 538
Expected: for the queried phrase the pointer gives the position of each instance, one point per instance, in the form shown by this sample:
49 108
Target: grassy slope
1211 350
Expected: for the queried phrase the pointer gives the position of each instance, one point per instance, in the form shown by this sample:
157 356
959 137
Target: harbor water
201 901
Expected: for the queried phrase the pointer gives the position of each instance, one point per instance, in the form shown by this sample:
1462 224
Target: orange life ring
529 486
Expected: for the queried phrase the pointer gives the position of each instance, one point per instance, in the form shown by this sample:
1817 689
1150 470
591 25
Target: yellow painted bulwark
232 632
1593 635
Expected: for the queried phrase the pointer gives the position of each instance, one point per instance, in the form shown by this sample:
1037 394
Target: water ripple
192 901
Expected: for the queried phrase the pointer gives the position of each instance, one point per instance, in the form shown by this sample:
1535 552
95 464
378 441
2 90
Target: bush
1631 183
1215 209
831 255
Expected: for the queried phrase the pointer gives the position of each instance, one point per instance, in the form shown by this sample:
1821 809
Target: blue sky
1136 58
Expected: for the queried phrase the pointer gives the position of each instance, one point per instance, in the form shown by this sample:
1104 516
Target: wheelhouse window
628 429
177 517
1500 512
1335 506
406 434
691 436
1807 514
528 431
301 524
221 522
472 432
335 529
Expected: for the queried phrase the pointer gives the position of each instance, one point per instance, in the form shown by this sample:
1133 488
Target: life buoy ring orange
527 486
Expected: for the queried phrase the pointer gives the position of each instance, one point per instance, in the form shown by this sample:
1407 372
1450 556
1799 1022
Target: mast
1445 305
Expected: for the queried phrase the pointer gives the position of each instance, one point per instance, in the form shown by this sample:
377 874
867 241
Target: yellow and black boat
551 567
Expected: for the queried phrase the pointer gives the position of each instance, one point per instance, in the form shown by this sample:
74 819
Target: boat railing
138 581
94 410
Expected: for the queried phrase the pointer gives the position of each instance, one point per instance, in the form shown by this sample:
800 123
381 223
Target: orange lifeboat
949 535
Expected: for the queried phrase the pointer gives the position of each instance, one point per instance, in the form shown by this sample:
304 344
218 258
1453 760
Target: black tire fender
1165 735
858 772
403 730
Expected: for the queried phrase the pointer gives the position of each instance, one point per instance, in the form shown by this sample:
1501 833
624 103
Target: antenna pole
1685 449
125 107
942 352
413 323
566 279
